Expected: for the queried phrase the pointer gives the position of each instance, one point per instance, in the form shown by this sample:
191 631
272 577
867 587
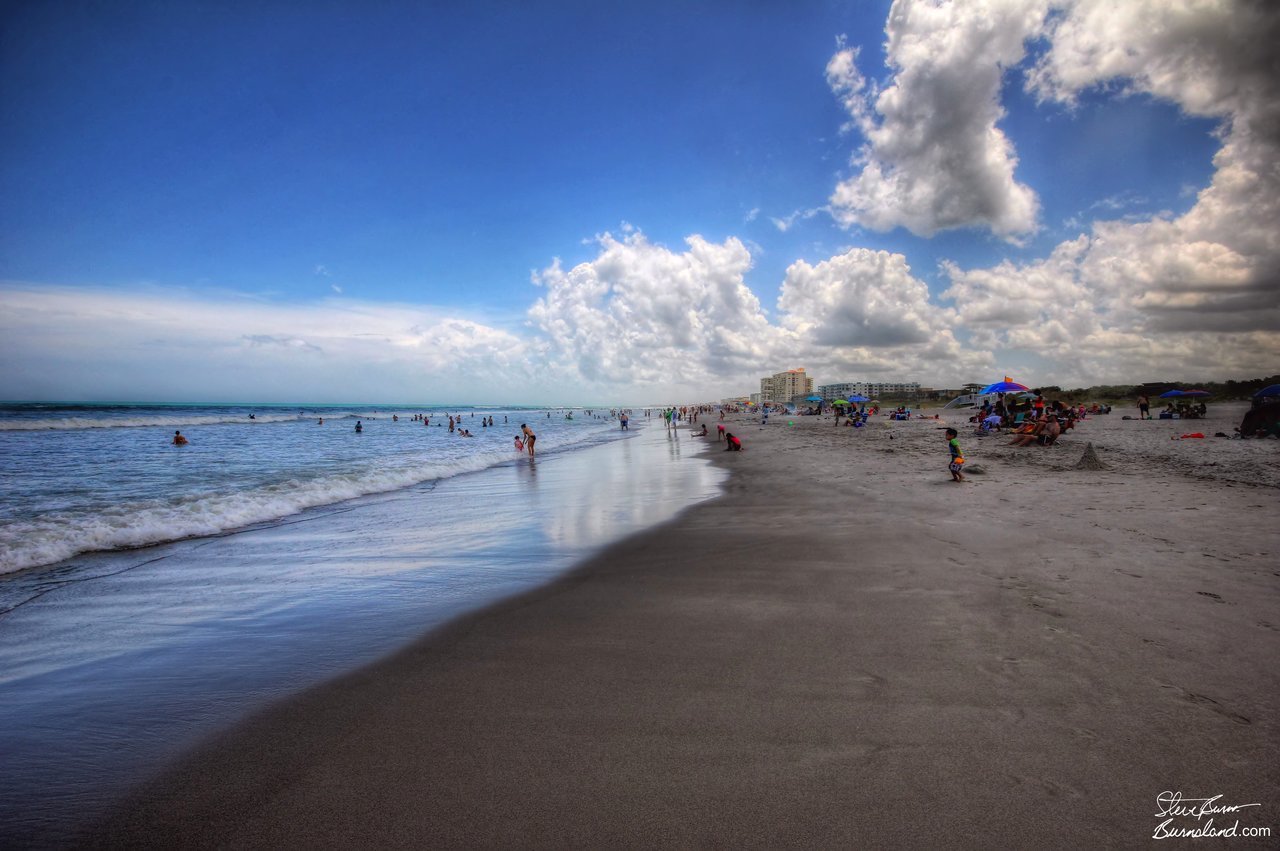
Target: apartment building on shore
782 387
870 389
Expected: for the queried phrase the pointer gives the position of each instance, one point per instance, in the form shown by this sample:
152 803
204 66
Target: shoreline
844 648
118 662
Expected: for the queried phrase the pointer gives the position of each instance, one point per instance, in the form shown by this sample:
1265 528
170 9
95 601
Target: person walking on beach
1144 408
624 419
529 438
957 460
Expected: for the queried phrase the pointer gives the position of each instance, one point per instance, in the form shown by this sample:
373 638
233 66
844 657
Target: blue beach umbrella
856 399
1268 392
813 398
1006 386
1171 394
1197 394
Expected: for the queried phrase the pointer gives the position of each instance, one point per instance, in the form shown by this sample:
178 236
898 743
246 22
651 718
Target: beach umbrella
1006 386
1197 394
1171 394
839 402
813 398
1268 392
856 399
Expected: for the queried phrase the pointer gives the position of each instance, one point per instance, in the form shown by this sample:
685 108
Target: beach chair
1017 421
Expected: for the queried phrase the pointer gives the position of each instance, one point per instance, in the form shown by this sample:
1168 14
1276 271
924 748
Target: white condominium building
870 389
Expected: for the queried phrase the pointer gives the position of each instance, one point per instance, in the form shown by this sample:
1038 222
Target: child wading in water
957 460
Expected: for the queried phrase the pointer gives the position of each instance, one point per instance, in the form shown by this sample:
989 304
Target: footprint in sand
1217 597
1043 608
1213 706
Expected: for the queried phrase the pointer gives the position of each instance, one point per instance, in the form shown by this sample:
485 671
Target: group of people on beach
1034 421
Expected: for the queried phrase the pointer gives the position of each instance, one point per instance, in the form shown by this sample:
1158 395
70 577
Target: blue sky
432 156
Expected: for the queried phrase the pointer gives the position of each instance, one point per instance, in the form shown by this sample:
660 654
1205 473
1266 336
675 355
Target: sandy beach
846 649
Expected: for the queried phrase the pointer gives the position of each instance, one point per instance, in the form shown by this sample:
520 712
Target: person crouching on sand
957 460
734 445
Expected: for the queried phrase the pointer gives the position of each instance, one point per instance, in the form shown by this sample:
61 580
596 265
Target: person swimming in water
359 427
178 439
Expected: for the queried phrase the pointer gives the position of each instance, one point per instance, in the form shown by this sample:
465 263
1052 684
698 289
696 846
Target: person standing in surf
529 438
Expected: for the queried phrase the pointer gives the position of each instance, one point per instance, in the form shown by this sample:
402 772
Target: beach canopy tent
1263 418
1006 386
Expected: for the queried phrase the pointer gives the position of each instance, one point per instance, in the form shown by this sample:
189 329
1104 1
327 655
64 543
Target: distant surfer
178 439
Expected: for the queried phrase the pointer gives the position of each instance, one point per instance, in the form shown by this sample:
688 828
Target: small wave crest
52 538
56 536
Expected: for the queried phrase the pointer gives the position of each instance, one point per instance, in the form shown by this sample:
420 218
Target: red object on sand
1193 434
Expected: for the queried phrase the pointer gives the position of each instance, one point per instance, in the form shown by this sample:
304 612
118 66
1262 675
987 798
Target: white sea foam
53 537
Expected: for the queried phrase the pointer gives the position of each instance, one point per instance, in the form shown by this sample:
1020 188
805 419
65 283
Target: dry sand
845 650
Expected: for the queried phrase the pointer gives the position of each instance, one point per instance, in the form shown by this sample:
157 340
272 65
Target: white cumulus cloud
1194 293
934 158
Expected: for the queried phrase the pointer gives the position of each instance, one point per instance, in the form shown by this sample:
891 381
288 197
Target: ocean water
83 478
113 662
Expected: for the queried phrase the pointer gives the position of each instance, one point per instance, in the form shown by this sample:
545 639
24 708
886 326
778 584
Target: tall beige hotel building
783 387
